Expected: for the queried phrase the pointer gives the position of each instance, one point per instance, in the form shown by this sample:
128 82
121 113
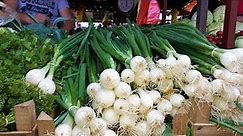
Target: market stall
136 73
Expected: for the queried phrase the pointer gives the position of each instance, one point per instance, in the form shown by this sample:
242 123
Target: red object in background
143 12
240 8
149 11
216 39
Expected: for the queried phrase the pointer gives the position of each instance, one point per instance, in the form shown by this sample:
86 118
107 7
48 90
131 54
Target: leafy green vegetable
214 27
219 13
19 53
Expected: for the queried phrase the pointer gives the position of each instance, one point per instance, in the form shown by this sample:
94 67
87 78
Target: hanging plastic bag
6 14
8 17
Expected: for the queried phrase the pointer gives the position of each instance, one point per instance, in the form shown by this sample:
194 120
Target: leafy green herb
19 53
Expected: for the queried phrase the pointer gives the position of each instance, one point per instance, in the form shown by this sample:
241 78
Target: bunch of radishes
216 39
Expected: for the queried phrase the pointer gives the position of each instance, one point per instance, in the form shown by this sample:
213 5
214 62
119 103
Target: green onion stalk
104 40
191 39
127 34
74 92
228 124
130 42
69 47
6 120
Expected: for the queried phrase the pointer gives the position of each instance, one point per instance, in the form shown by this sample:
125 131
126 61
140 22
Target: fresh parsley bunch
20 52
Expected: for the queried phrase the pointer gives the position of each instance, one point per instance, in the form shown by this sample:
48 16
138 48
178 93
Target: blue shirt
48 7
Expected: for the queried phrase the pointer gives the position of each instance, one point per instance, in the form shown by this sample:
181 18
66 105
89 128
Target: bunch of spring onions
224 66
181 71
76 120
145 75
69 47
137 100
71 98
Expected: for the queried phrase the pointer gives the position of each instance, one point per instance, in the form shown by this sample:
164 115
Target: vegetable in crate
20 52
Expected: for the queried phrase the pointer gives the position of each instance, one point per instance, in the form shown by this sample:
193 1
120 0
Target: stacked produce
137 77
131 80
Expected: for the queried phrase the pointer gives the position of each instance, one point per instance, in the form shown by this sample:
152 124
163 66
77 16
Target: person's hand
41 18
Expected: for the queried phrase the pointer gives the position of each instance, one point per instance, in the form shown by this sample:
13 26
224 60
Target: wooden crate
198 118
26 123
180 122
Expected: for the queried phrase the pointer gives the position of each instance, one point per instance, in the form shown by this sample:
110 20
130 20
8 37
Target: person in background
44 11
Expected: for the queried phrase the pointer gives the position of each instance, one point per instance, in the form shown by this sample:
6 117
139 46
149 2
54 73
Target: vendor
44 11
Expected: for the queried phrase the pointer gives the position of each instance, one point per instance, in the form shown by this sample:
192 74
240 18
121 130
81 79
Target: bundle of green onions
223 65
136 77
69 47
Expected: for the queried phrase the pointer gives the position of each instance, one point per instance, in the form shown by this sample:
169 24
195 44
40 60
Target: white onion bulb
155 117
79 131
141 128
156 75
47 85
92 89
110 116
161 63
231 94
123 90
63 130
217 85
105 98
121 106
176 100
146 100
193 75
183 60
98 126
142 78
138 64
155 95
166 85
109 78
190 89
164 106
229 60
83 116
134 101
110 132
127 75
34 76
126 120
170 61
221 104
